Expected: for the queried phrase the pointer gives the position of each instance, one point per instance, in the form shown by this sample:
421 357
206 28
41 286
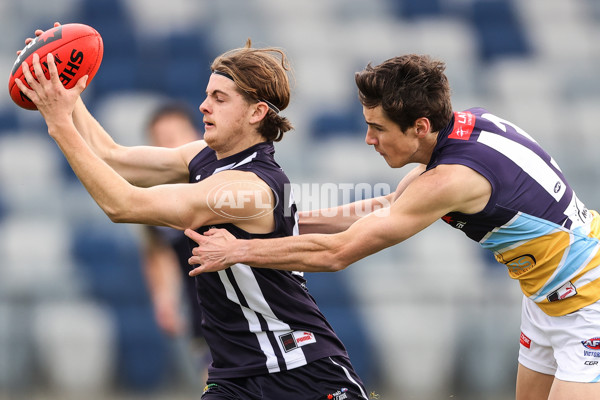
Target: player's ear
259 112
422 126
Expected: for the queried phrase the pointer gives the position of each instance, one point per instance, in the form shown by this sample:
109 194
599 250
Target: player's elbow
336 259
337 265
118 213
116 216
128 207
323 253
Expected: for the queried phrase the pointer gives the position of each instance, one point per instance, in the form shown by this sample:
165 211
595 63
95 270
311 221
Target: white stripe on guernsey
592 274
247 159
496 229
528 161
248 285
253 323
362 392
588 277
235 165
501 124
253 295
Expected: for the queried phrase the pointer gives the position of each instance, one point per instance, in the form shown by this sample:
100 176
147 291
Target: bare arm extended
338 219
140 165
178 206
426 199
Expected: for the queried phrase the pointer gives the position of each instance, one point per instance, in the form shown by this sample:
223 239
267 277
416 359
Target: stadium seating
534 61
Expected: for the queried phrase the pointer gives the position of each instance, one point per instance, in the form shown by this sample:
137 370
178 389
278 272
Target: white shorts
567 347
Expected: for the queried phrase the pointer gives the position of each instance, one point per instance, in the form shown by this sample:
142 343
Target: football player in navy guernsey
267 337
485 176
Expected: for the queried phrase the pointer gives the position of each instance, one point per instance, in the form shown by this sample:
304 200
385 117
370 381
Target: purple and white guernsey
534 223
258 321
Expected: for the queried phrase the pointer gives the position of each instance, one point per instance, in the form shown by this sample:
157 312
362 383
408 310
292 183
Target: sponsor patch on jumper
454 223
341 394
295 339
525 341
464 122
563 292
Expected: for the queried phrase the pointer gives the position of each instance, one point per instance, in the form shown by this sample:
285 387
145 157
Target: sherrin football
77 50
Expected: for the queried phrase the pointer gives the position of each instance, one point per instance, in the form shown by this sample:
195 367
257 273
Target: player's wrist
60 125
240 253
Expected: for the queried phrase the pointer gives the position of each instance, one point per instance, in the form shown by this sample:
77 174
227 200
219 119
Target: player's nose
370 139
204 106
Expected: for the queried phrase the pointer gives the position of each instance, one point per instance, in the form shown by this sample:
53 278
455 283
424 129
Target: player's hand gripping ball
77 51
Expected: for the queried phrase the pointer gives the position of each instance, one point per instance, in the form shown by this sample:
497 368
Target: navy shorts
330 378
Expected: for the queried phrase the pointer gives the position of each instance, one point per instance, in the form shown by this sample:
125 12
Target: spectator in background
166 251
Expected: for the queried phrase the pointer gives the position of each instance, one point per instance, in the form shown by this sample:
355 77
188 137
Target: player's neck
244 143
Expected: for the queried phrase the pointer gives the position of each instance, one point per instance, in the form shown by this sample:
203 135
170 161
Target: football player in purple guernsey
266 335
485 176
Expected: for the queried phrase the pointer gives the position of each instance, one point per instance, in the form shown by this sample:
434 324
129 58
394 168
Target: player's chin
210 137
394 163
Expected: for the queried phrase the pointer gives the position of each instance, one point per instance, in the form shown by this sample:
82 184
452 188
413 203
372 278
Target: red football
77 51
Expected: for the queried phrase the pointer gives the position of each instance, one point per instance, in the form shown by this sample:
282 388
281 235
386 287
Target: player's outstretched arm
143 166
426 199
217 249
338 219
179 206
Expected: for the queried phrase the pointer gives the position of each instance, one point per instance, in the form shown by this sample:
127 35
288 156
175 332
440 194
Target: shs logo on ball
242 200
66 72
70 69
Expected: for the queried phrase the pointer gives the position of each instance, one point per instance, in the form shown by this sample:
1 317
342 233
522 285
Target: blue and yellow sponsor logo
518 265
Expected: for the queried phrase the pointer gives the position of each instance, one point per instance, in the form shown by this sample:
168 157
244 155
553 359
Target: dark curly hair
407 88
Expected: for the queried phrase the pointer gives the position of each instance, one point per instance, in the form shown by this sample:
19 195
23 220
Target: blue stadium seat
110 19
340 307
177 65
109 260
142 364
499 30
115 74
188 44
8 120
330 123
152 65
119 65
188 70
411 9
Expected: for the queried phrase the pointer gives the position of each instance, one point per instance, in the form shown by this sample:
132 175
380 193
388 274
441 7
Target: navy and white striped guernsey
258 321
